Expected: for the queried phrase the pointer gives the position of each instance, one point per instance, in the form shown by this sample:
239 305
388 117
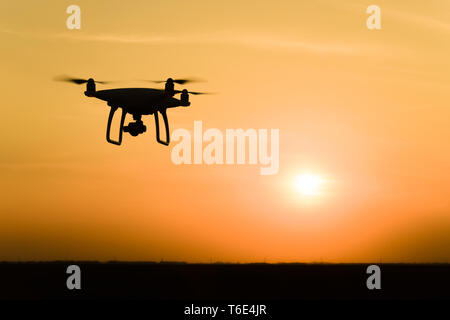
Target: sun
308 184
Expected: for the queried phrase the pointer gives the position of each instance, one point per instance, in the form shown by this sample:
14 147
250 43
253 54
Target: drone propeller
193 92
75 80
179 81
197 93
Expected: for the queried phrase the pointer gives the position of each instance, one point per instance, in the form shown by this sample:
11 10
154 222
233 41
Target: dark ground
223 282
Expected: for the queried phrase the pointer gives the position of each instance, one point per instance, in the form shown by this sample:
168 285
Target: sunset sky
366 112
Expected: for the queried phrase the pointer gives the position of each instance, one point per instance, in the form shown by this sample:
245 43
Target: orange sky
366 110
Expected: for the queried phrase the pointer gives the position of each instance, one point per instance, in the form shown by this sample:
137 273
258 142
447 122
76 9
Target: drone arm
166 123
108 128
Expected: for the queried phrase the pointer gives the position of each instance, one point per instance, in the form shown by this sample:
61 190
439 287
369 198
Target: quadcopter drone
138 102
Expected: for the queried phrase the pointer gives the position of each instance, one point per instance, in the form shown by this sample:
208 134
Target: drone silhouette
138 102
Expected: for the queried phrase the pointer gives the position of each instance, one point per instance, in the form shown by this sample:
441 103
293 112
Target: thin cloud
250 40
425 21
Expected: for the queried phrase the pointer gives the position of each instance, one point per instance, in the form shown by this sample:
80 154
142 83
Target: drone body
144 101
138 102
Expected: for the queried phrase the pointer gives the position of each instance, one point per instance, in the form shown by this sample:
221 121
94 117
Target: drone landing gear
166 123
108 128
137 127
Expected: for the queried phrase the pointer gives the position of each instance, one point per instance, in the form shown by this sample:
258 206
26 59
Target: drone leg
166 123
108 128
